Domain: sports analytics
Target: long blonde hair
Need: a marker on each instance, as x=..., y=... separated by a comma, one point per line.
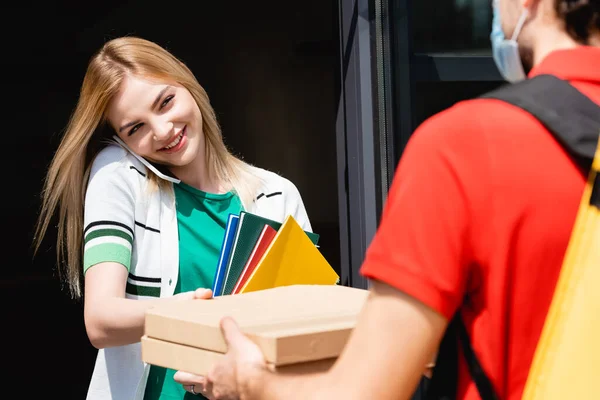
x=87, y=132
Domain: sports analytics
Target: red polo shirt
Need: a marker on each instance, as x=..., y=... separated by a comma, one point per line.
x=482, y=206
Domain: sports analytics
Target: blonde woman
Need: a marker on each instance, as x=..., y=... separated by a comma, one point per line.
x=143, y=184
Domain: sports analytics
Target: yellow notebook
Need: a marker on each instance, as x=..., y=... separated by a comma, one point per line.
x=290, y=259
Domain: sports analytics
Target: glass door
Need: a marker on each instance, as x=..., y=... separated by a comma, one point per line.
x=401, y=61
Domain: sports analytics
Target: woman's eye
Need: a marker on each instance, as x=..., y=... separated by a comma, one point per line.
x=135, y=128
x=167, y=101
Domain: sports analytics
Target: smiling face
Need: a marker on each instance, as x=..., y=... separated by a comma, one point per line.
x=159, y=121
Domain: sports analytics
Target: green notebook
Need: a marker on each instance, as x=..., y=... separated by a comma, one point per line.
x=248, y=231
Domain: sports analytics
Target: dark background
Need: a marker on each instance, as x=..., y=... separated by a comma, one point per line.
x=271, y=73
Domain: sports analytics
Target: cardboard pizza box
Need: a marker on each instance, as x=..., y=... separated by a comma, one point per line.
x=198, y=361
x=291, y=324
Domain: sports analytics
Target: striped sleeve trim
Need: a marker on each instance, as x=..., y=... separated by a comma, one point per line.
x=107, y=252
x=107, y=241
x=107, y=224
x=108, y=232
x=143, y=286
x=134, y=278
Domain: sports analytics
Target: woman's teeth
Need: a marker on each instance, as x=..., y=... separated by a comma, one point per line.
x=174, y=142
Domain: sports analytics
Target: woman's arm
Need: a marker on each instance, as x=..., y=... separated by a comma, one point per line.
x=110, y=205
x=110, y=202
x=110, y=318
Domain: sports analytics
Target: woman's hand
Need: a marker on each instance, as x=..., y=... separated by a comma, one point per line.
x=198, y=294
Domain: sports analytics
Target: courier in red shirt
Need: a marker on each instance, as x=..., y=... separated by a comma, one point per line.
x=481, y=209
x=477, y=222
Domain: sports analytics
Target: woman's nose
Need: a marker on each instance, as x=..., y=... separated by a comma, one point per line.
x=162, y=130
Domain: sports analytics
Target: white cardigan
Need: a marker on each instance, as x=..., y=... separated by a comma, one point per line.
x=143, y=223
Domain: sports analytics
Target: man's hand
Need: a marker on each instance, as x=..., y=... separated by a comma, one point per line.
x=227, y=379
x=401, y=333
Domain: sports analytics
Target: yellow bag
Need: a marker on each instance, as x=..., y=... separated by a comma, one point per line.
x=566, y=364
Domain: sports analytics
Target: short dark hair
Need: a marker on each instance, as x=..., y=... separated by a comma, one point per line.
x=582, y=17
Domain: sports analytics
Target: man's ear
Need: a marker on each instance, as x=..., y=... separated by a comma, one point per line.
x=531, y=5
x=535, y=7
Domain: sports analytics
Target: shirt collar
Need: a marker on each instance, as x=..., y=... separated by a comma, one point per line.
x=578, y=64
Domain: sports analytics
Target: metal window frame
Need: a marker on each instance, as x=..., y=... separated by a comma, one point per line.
x=412, y=67
x=378, y=72
x=453, y=67
x=355, y=140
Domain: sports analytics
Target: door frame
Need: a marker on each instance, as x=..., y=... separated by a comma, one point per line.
x=378, y=70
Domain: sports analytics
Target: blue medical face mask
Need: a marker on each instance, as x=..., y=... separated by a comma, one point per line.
x=506, y=51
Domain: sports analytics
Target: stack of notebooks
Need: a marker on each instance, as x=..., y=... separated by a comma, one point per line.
x=258, y=253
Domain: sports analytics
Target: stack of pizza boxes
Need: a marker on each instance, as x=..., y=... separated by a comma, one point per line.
x=299, y=328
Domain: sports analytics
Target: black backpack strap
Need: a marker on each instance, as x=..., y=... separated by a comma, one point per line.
x=595, y=196
x=444, y=381
x=481, y=380
x=568, y=114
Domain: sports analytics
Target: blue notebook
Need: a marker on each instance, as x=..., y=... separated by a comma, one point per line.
x=230, y=229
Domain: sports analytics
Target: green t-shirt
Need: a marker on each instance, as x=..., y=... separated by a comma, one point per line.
x=201, y=219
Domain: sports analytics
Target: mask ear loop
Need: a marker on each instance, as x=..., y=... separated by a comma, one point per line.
x=146, y=163
x=520, y=23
